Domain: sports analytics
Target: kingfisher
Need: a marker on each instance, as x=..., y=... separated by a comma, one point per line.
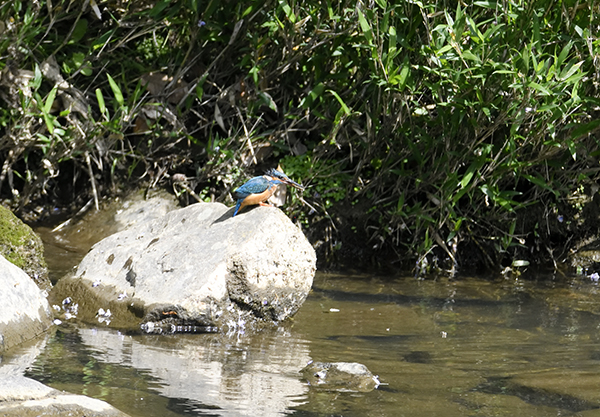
x=259, y=189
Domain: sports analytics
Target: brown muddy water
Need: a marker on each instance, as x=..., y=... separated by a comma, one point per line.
x=465, y=347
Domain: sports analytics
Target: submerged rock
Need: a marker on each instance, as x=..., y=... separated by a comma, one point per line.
x=340, y=376
x=24, y=397
x=196, y=268
x=586, y=259
x=23, y=248
x=24, y=310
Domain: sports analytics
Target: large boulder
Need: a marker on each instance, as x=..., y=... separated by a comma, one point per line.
x=24, y=309
x=66, y=244
x=196, y=267
x=22, y=247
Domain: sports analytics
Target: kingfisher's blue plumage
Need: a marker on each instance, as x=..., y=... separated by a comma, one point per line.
x=259, y=189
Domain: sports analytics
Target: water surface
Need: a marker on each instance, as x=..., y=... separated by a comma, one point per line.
x=466, y=347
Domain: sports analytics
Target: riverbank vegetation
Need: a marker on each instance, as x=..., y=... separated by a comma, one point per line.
x=430, y=135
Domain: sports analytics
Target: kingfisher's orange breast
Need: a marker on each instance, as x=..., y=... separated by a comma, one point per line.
x=254, y=199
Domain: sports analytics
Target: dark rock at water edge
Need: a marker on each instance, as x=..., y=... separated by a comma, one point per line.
x=196, y=268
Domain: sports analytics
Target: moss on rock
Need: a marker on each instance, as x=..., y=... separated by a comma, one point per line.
x=22, y=247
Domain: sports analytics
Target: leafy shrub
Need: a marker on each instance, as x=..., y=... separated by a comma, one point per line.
x=443, y=124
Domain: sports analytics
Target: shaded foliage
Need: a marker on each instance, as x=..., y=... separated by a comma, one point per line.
x=420, y=128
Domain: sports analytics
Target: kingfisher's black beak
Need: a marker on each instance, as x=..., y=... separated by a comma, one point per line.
x=292, y=183
x=278, y=175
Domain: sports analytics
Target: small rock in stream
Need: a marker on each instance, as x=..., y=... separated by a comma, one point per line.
x=340, y=376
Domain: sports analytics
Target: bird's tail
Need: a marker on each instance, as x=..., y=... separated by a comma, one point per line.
x=237, y=207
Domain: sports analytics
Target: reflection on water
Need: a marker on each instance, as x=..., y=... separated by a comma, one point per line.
x=153, y=375
x=447, y=348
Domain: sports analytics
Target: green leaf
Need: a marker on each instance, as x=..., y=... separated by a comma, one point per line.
x=137, y=92
x=444, y=49
x=49, y=120
x=312, y=96
x=467, y=178
x=584, y=129
x=268, y=100
x=288, y=10
x=525, y=57
x=547, y=107
x=563, y=54
x=470, y=56
x=116, y=90
x=540, y=182
x=475, y=29
x=102, y=40
x=572, y=148
x=50, y=100
x=79, y=31
x=569, y=70
x=400, y=204
x=199, y=92
x=486, y=4
x=36, y=81
x=158, y=8
x=364, y=25
x=540, y=88
x=200, y=86
x=248, y=10
x=551, y=72
x=78, y=59
x=101, y=102
x=536, y=30
x=339, y=99
x=404, y=74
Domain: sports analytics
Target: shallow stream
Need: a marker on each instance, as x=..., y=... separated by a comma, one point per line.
x=465, y=347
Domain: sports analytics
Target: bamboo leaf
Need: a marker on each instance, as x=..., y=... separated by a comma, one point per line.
x=101, y=102
x=116, y=90
x=315, y=93
x=339, y=99
x=400, y=204
x=569, y=70
x=364, y=25
x=287, y=9
x=572, y=148
x=563, y=54
x=584, y=129
x=50, y=100
x=540, y=88
x=540, y=182
x=486, y=4
x=525, y=57
x=36, y=81
x=49, y=120
x=470, y=56
x=467, y=178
